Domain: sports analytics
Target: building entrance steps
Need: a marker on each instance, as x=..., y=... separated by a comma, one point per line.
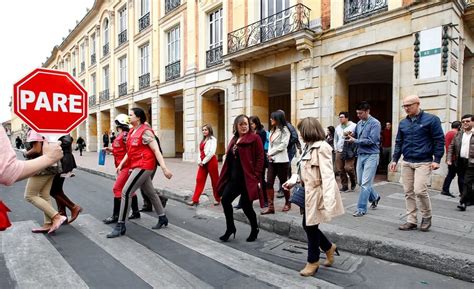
x=447, y=248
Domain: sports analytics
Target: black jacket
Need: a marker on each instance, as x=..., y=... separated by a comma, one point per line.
x=68, y=162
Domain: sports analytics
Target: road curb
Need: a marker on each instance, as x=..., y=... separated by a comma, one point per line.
x=445, y=262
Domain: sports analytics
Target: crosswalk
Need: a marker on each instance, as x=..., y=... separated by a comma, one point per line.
x=33, y=261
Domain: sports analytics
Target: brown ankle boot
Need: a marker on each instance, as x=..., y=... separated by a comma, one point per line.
x=75, y=213
x=271, y=207
x=287, y=205
x=310, y=269
x=330, y=255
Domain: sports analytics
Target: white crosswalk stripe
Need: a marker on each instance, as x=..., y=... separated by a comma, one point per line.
x=149, y=266
x=240, y=261
x=33, y=262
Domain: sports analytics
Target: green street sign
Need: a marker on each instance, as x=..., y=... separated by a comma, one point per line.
x=430, y=52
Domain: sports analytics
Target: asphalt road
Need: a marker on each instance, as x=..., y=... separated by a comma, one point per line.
x=186, y=254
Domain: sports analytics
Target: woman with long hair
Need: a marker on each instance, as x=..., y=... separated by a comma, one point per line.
x=241, y=175
x=322, y=199
x=258, y=128
x=207, y=165
x=278, y=160
x=142, y=153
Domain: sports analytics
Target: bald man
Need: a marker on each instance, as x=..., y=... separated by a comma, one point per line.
x=420, y=139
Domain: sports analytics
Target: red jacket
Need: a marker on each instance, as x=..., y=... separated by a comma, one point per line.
x=251, y=157
x=120, y=149
x=140, y=155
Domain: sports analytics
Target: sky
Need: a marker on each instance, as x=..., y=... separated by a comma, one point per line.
x=29, y=30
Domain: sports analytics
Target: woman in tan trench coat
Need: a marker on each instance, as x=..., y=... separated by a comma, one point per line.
x=322, y=197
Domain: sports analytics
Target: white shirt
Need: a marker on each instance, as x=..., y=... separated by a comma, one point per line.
x=339, y=135
x=466, y=139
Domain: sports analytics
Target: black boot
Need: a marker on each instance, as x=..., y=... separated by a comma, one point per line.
x=118, y=230
x=253, y=234
x=162, y=221
x=135, y=212
x=115, y=214
x=227, y=234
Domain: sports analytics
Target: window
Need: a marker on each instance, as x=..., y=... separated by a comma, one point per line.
x=123, y=19
x=275, y=18
x=215, y=29
x=144, y=7
x=83, y=56
x=106, y=31
x=93, y=88
x=73, y=60
x=144, y=61
x=173, y=45
x=123, y=70
x=92, y=47
x=105, y=73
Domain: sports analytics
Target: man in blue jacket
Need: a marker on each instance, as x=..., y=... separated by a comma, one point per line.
x=420, y=139
x=367, y=138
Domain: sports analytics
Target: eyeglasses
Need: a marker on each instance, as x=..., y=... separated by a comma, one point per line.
x=408, y=105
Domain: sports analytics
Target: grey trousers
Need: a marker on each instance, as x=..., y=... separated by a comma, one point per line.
x=139, y=178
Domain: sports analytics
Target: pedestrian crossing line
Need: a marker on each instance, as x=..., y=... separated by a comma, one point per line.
x=242, y=262
x=149, y=266
x=34, y=262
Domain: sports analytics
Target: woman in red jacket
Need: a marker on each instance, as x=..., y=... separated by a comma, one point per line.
x=241, y=175
x=142, y=154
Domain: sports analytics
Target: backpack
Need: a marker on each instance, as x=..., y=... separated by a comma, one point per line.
x=293, y=136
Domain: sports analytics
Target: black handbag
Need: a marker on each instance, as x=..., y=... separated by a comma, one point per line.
x=297, y=197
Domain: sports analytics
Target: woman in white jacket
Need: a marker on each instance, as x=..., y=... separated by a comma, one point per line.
x=207, y=165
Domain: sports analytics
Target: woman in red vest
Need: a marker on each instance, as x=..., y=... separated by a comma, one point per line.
x=119, y=150
x=241, y=175
x=142, y=154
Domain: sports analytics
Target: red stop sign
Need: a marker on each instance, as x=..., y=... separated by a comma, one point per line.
x=50, y=101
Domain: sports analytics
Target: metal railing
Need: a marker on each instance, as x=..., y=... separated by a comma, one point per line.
x=122, y=37
x=214, y=56
x=122, y=88
x=93, y=60
x=105, y=49
x=104, y=95
x=144, y=81
x=83, y=66
x=92, y=100
x=357, y=9
x=284, y=22
x=144, y=22
x=170, y=5
x=173, y=70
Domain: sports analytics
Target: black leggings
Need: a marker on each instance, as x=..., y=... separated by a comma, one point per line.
x=316, y=240
x=231, y=192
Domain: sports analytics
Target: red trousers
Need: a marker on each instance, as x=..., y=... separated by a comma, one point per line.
x=210, y=168
x=120, y=183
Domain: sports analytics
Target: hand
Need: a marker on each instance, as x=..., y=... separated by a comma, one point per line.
x=350, y=139
x=393, y=166
x=167, y=173
x=53, y=151
x=434, y=166
x=270, y=158
x=449, y=163
x=107, y=149
x=291, y=182
x=119, y=168
x=200, y=164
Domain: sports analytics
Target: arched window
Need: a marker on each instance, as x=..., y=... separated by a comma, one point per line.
x=106, y=31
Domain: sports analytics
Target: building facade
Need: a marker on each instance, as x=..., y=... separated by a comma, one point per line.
x=187, y=63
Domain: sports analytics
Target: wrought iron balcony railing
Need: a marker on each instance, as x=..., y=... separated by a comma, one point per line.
x=214, y=56
x=284, y=22
x=122, y=37
x=83, y=66
x=122, y=88
x=104, y=95
x=357, y=9
x=105, y=49
x=74, y=72
x=93, y=59
x=173, y=70
x=170, y=5
x=144, y=81
x=144, y=22
x=468, y=3
x=92, y=100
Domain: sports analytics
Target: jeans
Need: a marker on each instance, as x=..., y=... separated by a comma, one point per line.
x=366, y=169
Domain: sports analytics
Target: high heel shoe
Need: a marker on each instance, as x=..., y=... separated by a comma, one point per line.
x=75, y=213
x=310, y=269
x=57, y=220
x=330, y=255
x=118, y=230
x=227, y=234
x=253, y=235
x=162, y=221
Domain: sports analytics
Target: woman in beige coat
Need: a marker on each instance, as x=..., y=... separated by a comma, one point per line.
x=322, y=197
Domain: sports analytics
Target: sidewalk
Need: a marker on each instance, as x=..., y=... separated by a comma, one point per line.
x=448, y=248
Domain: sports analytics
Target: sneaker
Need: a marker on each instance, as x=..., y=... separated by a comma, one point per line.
x=447, y=194
x=344, y=189
x=407, y=227
x=358, y=214
x=425, y=224
x=375, y=203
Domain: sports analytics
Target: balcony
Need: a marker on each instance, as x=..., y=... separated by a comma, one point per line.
x=173, y=70
x=214, y=56
x=122, y=37
x=105, y=49
x=170, y=5
x=74, y=72
x=122, y=88
x=93, y=60
x=92, y=100
x=104, y=95
x=144, y=81
x=290, y=20
x=357, y=9
x=83, y=66
x=144, y=22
